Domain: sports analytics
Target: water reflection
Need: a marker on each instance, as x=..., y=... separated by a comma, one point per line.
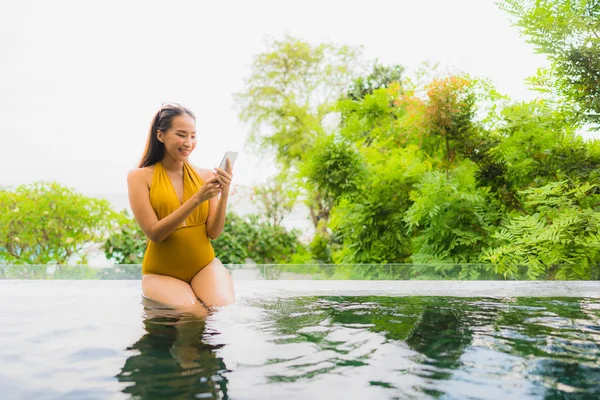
x=172, y=361
x=441, y=335
x=560, y=339
x=524, y=348
x=373, y=347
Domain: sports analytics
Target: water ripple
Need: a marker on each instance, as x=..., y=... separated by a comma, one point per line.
x=309, y=347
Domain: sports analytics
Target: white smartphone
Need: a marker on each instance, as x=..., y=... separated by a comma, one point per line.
x=232, y=155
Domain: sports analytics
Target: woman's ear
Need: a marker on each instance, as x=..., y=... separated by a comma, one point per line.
x=160, y=136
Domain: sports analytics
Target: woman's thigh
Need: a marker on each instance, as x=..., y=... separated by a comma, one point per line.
x=173, y=292
x=213, y=285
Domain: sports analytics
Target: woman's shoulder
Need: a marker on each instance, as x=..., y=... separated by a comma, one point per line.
x=144, y=173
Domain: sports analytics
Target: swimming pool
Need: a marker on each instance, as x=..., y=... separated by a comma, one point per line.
x=92, y=339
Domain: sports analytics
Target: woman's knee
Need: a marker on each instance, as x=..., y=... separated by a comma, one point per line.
x=214, y=285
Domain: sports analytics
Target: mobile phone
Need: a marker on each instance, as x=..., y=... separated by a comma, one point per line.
x=232, y=155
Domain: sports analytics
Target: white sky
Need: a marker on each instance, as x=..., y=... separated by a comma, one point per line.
x=80, y=80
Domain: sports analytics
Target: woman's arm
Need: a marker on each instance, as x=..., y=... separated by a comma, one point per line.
x=217, y=205
x=139, y=200
x=216, y=216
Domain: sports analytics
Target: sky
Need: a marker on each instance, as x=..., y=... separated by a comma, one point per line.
x=81, y=80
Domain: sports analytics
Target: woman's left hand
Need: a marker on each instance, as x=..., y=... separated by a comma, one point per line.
x=224, y=176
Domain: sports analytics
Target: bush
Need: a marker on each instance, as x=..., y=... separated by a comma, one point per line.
x=128, y=244
x=259, y=241
x=558, y=237
x=47, y=223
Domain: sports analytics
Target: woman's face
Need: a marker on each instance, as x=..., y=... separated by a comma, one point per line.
x=180, y=139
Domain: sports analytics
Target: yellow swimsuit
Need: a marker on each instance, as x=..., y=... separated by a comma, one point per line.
x=187, y=250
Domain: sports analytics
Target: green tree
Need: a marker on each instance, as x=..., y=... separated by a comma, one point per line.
x=46, y=223
x=253, y=238
x=370, y=222
x=567, y=33
x=450, y=220
x=126, y=245
x=449, y=113
x=333, y=168
x=375, y=121
x=293, y=87
x=427, y=171
x=380, y=78
x=535, y=144
x=276, y=199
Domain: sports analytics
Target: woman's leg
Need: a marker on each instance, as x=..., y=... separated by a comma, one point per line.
x=173, y=292
x=213, y=285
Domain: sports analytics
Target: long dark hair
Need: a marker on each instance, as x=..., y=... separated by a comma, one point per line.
x=155, y=150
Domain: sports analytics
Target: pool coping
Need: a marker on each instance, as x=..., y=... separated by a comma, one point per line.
x=295, y=288
x=590, y=289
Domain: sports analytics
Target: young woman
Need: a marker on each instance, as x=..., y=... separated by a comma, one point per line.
x=180, y=207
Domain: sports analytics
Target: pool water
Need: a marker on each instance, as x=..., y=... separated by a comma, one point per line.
x=95, y=340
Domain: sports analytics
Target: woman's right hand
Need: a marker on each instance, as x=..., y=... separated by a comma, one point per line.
x=210, y=189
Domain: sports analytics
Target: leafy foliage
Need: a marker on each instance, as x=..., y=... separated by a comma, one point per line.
x=251, y=238
x=437, y=170
x=47, y=223
x=320, y=249
x=429, y=178
x=380, y=78
x=370, y=222
x=450, y=219
x=292, y=88
x=449, y=113
x=333, y=168
x=558, y=238
x=128, y=244
x=276, y=199
x=567, y=32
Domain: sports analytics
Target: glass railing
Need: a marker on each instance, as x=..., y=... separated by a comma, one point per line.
x=286, y=272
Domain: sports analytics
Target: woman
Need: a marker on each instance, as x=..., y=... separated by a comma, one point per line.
x=180, y=207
